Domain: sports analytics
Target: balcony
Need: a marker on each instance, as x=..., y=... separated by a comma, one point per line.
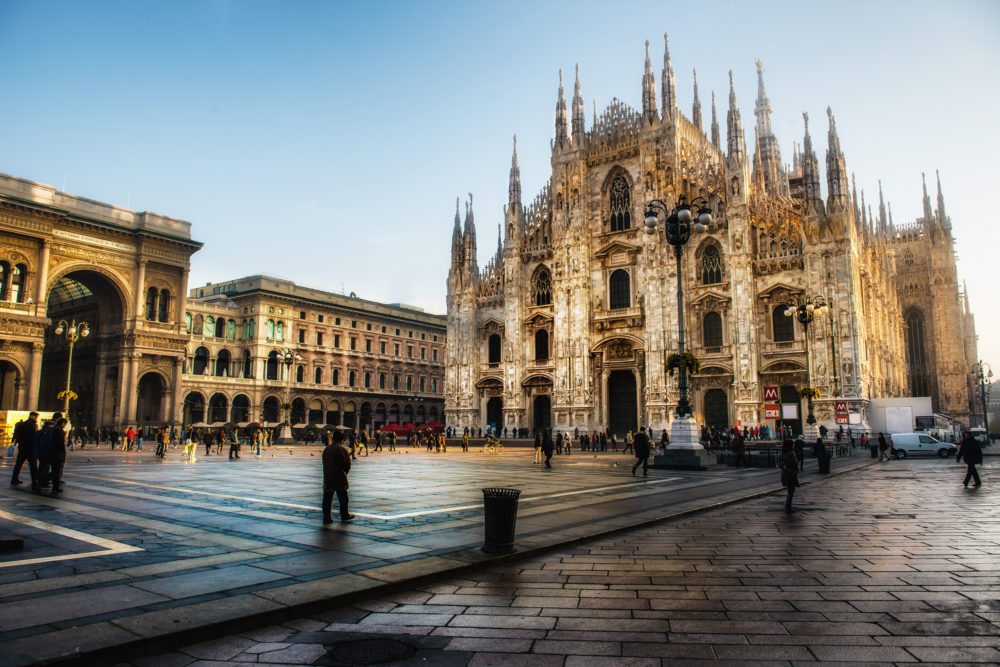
x=771, y=348
x=15, y=307
x=620, y=317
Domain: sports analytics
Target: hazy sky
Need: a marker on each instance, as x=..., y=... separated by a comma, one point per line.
x=326, y=142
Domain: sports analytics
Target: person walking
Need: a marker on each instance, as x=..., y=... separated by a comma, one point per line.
x=629, y=441
x=739, y=450
x=538, y=448
x=234, y=445
x=24, y=438
x=548, y=447
x=50, y=448
x=972, y=452
x=641, y=448
x=883, y=448
x=799, y=446
x=336, y=465
x=788, y=463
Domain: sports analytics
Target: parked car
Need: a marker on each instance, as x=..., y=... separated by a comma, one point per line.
x=902, y=445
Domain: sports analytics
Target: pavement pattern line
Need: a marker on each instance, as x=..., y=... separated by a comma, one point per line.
x=383, y=517
x=109, y=547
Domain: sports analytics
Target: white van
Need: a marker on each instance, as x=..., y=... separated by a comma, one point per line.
x=902, y=445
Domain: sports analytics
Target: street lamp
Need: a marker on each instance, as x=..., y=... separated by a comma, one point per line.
x=74, y=330
x=805, y=308
x=984, y=373
x=678, y=226
x=288, y=357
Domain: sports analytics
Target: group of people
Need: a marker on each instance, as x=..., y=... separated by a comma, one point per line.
x=43, y=448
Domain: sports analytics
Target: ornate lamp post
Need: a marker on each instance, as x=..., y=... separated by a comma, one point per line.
x=288, y=357
x=74, y=330
x=679, y=223
x=984, y=373
x=805, y=308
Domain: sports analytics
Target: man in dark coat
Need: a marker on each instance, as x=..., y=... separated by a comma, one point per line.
x=336, y=465
x=24, y=437
x=548, y=447
x=641, y=445
x=972, y=452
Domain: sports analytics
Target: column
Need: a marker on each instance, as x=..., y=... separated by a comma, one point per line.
x=127, y=399
x=100, y=386
x=139, y=288
x=181, y=302
x=35, y=375
x=41, y=291
x=177, y=404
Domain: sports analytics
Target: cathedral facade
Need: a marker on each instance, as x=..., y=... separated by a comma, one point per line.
x=571, y=322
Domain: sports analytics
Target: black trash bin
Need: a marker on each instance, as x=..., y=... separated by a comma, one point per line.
x=874, y=449
x=823, y=463
x=500, y=511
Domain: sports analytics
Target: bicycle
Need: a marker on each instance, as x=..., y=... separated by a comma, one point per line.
x=492, y=446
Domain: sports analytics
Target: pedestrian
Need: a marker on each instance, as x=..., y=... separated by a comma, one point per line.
x=559, y=442
x=664, y=439
x=24, y=438
x=129, y=439
x=883, y=448
x=641, y=448
x=220, y=441
x=629, y=441
x=538, y=448
x=800, y=450
x=740, y=451
x=788, y=463
x=970, y=450
x=548, y=447
x=336, y=465
x=234, y=445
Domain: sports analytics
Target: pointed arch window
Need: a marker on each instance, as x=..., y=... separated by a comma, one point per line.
x=916, y=353
x=621, y=204
x=163, y=312
x=541, y=345
x=619, y=290
x=494, y=351
x=151, y=294
x=543, y=288
x=711, y=265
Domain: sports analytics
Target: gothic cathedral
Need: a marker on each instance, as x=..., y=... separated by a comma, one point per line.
x=571, y=322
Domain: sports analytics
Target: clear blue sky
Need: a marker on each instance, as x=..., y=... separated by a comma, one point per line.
x=326, y=142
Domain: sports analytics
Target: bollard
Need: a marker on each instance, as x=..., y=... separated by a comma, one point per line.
x=500, y=513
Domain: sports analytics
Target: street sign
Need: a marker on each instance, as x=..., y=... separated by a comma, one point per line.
x=772, y=412
x=789, y=411
x=841, y=419
x=771, y=394
x=842, y=406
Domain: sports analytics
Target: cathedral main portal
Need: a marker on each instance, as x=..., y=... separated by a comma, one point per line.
x=623, y=413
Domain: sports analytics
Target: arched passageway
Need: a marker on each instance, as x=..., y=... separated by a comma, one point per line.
x=151, y=400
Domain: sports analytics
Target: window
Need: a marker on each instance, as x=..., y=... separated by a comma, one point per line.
x=368, y=380
x=319, y=318
x=300, y=373
x=302, y=336
x=354, y=324
x=409, y=383
x=409, y=351
x=5, y=279
x=231, y=329
x=318, y=376
x=151, y=295
x=434, y=385
x=411, y=334
x=435, y=353
x=784, y=327
x=435, y=339
x=337, y=321
x=369, y=326
x=354, y=343
x=395, y=382
x=209, y=326
x=220, y=328
x=621, y=204
x=247, y=364
x=381, y=347
x=423, y=353
x=381, y=380
x=222, y=361
x=250, y=330
x=302, y=314
x=336, y=340
x=397, y=332
x=335, y=378
x=187, y=318
x=269, y=329
x=271, y=368
x=368, y=346
x=396, y=347
x=543, y=288
x=164, y=310
x=383, y=329
x=319, y=337
x=712, y=330
x=423, y=337
x=351, y=377
x=619, y=290
x=494, y=350
x=279, y=331
x=915, y=353
x=711, y=266
x=541, y=345
x=270, y=309
x=421, y=385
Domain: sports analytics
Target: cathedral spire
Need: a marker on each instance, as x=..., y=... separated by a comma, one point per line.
x=836, y=170
x=762, y=109
x=942, y=217
x=810, y=166
x=579, y=119
x=499, y=242
x=854, y=198
x=514, y=189
x=696, y=106
x=469, y=237
x=928, y=213
x=883, y=221
x=456, y=237
x=667, y=82
x=648, y=90
x=735, y=143
x=775, y=177
x=562, y=118
x=715, y=126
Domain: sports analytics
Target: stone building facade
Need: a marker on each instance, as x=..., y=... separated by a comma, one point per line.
x=571, y=321
x=64, y=257
x=361, y=363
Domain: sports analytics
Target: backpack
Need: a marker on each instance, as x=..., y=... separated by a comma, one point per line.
x=43, y=442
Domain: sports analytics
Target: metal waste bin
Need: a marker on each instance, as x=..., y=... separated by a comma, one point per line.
x=500, y=511
x=874, y=449
x=823, y=463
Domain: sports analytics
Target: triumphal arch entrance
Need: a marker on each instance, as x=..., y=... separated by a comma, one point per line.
x=124, y=273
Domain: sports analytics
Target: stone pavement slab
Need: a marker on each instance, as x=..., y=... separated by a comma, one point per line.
x=792, y=607
x=213, y=546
